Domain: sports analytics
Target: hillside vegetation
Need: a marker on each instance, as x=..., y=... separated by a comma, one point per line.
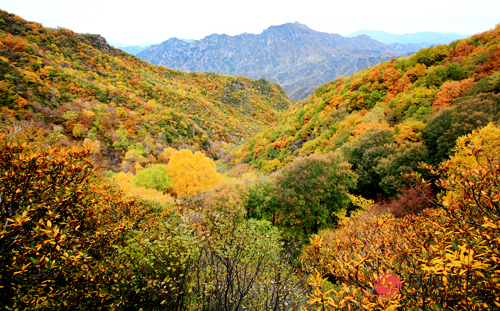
x=390, y=176
x=387, y=118
x=83, y=88
x=389, y=182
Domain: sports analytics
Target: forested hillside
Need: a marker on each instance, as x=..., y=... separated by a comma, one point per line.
x=83, y=88
x=390, y=181
x=387, y=118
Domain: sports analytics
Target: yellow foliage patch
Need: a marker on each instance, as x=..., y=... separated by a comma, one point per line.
x=126, y=183
x=192, y=173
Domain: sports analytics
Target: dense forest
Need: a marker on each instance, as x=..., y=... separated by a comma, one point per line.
x=127, y=186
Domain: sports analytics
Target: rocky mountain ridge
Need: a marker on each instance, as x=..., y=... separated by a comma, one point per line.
x=425, y=38
x=293, y=55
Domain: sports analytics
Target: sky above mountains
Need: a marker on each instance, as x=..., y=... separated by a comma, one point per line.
x=135, y=22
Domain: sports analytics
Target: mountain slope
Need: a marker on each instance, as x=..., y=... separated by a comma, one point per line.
x=429, y=38
x=293, y=55
x=82, y=88
x=387, y=118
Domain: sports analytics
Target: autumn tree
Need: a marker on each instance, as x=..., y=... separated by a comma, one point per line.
x=467, y=114
x=167, y=152
x=472, y=179
x=303, y=197
x=59, y=220
x=457, y=240
x=192, y=173
x=154, y=177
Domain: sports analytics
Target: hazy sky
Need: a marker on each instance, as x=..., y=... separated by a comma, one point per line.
x=155, y=21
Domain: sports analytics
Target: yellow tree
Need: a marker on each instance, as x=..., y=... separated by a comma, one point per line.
x=471, y=179
x=167, y=152
x=192, y=173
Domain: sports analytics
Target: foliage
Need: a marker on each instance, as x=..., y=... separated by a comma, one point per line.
x=446, y=126
x=126, y=183
x=412, y=200
x=211, y=262
x=470, y=188
x=422, y=99
x=192, y=173
x=458, y=242
x=226, y=196
x=92, y=90
x=62, y=226
x=379, y=162
x=154, y=177
x=303, y=197
x=58, y=222
x=68, y=237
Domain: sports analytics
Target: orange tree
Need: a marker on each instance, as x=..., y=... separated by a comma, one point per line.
x=453, y=249
x=58, y=223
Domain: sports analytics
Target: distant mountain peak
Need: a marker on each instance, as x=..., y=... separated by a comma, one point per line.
x=292, y=54
x=427, y=37
x=294, y=25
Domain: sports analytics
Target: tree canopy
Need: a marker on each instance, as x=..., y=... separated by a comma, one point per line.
x=192, y=173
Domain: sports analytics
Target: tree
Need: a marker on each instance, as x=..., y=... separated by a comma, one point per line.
x=365, y=155
x=450, y=123
x=404, y=159
x=452, y=248
x=59, y=221
x=167, y=152
x=471, y=179
x=379, y=162
x=154, y=177
x=192, y=173
x=303, y=197
x=228, y=263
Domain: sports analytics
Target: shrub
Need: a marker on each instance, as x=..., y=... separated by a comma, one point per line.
x=303, y=197
x=192, y=173
x=154, y=177
x=58, y=223
x=453, y=249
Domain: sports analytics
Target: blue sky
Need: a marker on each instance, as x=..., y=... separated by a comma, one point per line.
x=155, y=21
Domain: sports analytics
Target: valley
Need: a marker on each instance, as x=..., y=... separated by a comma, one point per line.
x=127, y=185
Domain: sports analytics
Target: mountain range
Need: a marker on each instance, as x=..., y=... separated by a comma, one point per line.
x=425, y=39
x=292, y=55
x=135, y=48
